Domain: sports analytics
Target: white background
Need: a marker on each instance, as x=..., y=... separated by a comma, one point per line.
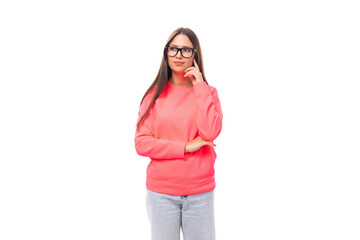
x=73, y=74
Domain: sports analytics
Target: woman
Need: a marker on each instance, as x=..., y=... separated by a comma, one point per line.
x=179, y=118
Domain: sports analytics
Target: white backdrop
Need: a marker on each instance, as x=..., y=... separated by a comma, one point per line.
x=73, y=74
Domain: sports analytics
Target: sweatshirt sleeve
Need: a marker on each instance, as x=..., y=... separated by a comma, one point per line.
x=147, y=145
x=209, y=113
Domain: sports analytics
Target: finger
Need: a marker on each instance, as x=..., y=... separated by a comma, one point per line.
x=196, y=65
x=189, y=73
x=210, y=145
x=186, y=75
x=193, y=72
x=189, y=68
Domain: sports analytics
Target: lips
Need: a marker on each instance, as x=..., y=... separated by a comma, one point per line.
x=178, y=63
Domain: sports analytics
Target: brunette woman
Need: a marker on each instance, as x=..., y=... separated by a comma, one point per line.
x=179, y=118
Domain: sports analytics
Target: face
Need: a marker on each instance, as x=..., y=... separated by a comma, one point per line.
x=178, y=63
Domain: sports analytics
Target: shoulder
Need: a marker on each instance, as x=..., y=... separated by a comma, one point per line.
x=211, y=88
x=145, y=103
x=150, y=94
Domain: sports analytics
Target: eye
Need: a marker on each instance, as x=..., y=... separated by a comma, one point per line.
x=172, y=48
x=187, y=50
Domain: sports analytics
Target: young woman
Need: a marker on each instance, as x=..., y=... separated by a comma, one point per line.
x=180, y=116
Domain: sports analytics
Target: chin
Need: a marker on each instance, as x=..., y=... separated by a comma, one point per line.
x=178, y=68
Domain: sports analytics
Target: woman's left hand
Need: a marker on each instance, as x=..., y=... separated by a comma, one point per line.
x=194, y=73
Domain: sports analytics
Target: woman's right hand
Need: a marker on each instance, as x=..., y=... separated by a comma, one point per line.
x=197, y=143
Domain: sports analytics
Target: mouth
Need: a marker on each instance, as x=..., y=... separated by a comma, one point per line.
x=178, y=63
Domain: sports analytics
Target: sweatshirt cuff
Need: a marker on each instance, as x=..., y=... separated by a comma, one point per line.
x=179, y=149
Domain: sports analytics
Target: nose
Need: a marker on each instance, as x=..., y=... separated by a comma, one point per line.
x=178, y=55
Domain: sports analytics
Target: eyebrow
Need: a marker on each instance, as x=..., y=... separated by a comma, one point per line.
x=174, y=45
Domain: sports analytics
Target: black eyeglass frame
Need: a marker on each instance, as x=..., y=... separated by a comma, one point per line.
x=180, y=49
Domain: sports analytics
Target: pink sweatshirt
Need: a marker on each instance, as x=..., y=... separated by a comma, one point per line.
x=179, y=115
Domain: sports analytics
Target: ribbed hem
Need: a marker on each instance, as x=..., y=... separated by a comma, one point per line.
x=180, y=189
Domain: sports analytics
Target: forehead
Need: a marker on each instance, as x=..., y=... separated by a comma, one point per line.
x=182, y=40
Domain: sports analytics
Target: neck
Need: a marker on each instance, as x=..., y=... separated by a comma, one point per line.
x=177, y=78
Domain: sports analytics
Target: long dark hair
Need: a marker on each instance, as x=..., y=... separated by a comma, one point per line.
x=164, y=73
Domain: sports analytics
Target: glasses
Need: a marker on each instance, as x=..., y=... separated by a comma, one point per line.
x=185, y=52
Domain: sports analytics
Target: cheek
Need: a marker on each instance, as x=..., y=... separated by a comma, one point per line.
x=189, y=63
x=170, y=64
